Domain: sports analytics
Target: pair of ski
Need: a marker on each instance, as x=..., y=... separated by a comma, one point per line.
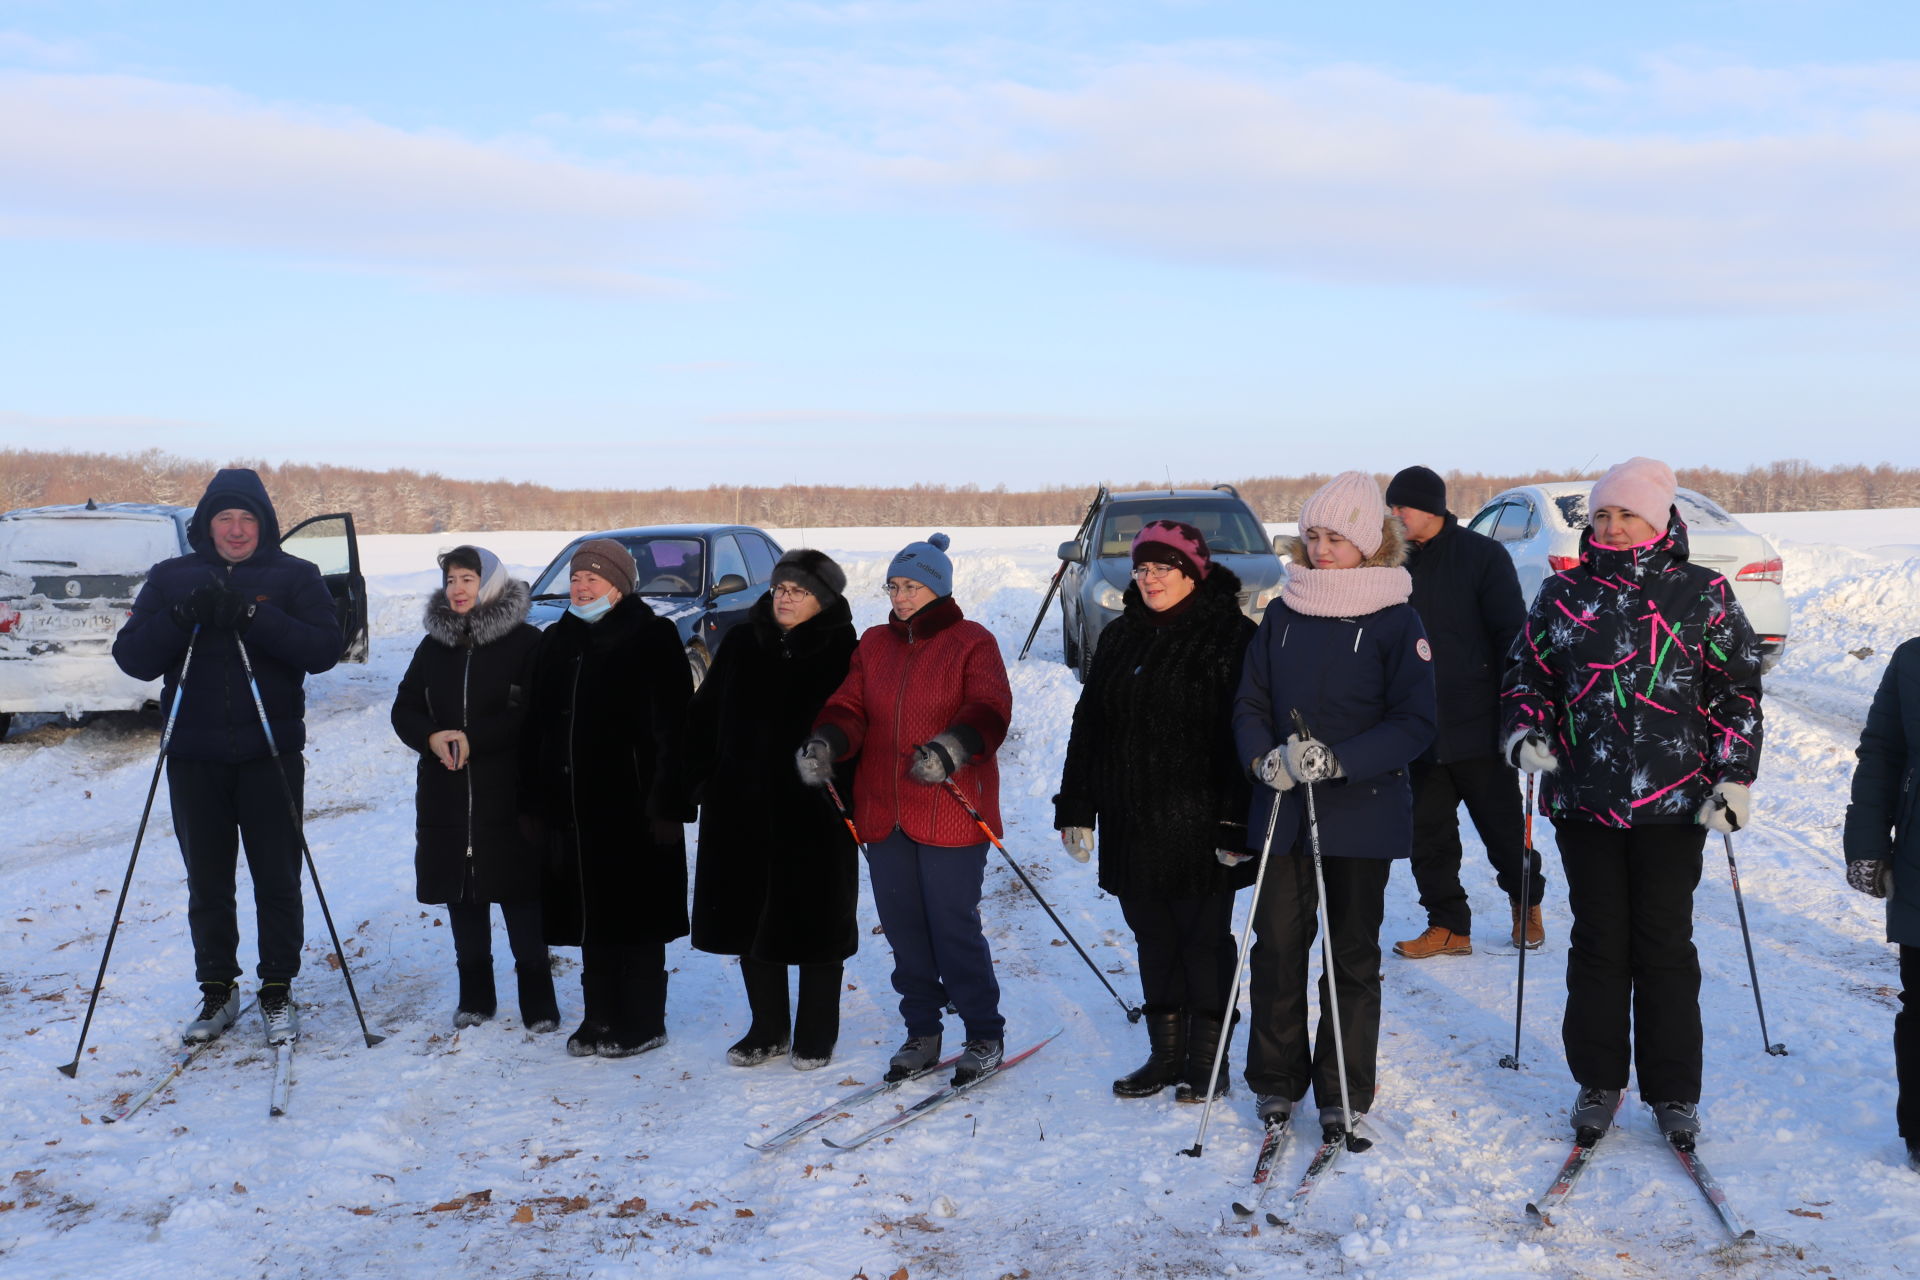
x=1333, y=1141
x=1540, y=1212
x=932, y=1102
x=187, y=1054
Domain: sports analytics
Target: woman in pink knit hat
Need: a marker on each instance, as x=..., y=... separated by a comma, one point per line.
x=1343, y=653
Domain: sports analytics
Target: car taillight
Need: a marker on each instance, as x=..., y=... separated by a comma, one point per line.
x=1761, y=571
x=1560, y=564
x=8, y=616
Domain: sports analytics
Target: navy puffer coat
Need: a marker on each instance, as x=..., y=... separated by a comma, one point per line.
x=1883, y=820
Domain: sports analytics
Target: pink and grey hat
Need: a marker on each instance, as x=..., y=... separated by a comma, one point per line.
x=1644, y=486
x=1171, y=542
x=1349, y=504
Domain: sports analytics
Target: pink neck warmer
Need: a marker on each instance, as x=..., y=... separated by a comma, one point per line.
x=1344, y=593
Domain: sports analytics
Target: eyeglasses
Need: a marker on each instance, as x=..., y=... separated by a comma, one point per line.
x=1154, y=571
x=903, y=588
x=788, y=591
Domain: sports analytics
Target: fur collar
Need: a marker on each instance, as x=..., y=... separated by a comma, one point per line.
x=484, y=623
x=1391, y=555
x=808, y=637
x=929, y=622
x=1216, y=594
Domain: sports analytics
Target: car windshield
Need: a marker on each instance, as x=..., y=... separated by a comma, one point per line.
x=1227, y=525
x=665, y=566
x=1698, y=512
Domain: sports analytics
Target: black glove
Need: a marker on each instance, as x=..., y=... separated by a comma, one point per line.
x=1870, y=876
x=667, y=831
x=196, y=608
x=229, y=610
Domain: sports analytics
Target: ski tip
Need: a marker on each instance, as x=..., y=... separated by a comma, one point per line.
x=69, y=1069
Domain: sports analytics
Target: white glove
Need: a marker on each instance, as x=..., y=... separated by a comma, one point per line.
x=937, y=759
x=814, y=760
x=1527, y=750
x=1728, y=808
x=1311, y=760
x=1078, y=842
x=1271, y=769
x=1230, y=857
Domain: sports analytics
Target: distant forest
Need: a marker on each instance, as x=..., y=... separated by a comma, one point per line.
x=417, y=502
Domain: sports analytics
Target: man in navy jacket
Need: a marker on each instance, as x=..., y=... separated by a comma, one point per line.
x=236, y=587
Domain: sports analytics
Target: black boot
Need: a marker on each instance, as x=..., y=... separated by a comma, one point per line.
x=639, y=1012
x=539, y=1009
x=816, y=1028
x=1166, y=1055
x=766, y=1036
x=477, y=999
x=594, y=1022
x=1205, y=1031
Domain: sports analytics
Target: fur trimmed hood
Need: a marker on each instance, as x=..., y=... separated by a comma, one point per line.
x=484, y=623
x=1391, y=555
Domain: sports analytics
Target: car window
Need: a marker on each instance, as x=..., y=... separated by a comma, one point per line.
x=1228, y=526
x=663, y=567
x=1488, y=517
x=1703, y=513
x=1573, y=509
x=90, y=558
x=760, y=557
x=727, y=558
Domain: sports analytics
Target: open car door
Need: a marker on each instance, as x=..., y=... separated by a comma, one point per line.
x=329, y=543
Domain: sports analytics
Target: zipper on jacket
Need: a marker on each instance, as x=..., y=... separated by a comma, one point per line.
x=466, y=670
x=899, y=720
x=573, y=797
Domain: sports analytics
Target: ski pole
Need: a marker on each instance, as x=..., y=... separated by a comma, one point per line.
x=1233, y=991
x=1753, y=971
x=833, y=794
x=299, y=831
x=140, y=834
x=1099, y=498
x=1133, y=1014
x=1512, y=1060
x=1328, y=972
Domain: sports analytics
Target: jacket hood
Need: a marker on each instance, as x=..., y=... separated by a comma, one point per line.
x=1391, y=555
x=234, y=487
x=482, y=624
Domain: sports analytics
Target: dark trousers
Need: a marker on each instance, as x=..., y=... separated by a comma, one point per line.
x=624, y=988
x=472, y=927
x=217, y=808
x=1186, y=950
x=1279, y=1058
x=928, y=899
x=1906, y=1046
x=1490, y=789
x=1630, y=956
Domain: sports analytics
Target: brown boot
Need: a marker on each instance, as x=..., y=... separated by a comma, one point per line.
x=1435, y=942
x=1536, y=930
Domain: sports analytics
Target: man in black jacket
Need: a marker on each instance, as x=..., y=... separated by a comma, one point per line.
x=1468, y=598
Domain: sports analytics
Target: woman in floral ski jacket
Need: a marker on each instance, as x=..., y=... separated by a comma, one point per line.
x=1634, y=689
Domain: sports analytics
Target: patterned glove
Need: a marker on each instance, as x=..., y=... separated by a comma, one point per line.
x=1310, y=760
x=1271, y=769
x=1527, y=750
x=935, y=761
x=1871, y=877
x=1728, y=807
x=1078, y=842
x=815, y=762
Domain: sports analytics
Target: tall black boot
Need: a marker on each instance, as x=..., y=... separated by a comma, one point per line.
x=1166, y=1055
x=595, y=990
x=1205, y=1031
x=539, y=1009
x=477, y=999
x=766, y=1036
x=639, y=1008
x=816, y=1027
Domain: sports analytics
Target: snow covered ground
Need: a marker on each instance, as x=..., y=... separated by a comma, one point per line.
x=491, y=1153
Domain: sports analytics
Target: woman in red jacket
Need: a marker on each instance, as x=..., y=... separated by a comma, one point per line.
x=925, y=701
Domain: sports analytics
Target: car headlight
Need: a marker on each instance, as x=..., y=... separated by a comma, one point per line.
x=1108, y=597
x=1267, y=595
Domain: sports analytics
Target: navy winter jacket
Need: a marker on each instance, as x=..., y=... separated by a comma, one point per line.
x=1468, y=598
x=294, y=632
x=1883, y=820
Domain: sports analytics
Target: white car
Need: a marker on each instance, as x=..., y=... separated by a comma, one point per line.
x=1540, y=526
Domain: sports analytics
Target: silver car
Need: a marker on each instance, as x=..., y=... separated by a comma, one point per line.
x=1540, y=526
x=1099, y=561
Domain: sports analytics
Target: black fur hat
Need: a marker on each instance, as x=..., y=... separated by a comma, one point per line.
x=814, y=570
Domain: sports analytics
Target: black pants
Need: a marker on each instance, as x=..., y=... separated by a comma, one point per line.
x=1186, y=950
x=1630, y=956
x=1489, y=787
x=217, y=808
x=624, y=988
x=472, y=927
x=1278, y=1059
x=1906, y=1046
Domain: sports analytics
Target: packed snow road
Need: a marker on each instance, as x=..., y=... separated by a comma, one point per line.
x=491, y=1153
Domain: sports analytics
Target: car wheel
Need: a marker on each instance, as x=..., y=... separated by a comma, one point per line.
x=1083, y=653
x=1069, y=651
x=698, y=661
x=6, y=722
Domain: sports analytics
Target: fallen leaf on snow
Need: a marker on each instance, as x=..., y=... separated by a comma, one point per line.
x=523, y=1214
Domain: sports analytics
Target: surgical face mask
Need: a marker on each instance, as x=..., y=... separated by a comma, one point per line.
x=592, y=612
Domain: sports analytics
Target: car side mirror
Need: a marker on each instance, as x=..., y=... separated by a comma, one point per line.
x=729, y=584
x=1071, y=553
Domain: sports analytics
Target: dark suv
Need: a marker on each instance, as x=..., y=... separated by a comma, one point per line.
x=1099, y=560
x=701, y=577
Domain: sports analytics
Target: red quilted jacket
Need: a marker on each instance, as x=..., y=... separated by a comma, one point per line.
x=908, y=682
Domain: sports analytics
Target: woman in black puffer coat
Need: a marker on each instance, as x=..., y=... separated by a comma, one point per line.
x=778, y=874
x=1151, y=763
x=460, y=706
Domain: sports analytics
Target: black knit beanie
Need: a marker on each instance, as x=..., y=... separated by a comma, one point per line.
x=1420, y=488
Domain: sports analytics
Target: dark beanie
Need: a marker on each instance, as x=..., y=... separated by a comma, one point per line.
x=1420, y=488
x=607, y=558
x=1172, y=542
x=814, y=570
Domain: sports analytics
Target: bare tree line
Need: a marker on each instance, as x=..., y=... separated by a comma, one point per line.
x=417, y=502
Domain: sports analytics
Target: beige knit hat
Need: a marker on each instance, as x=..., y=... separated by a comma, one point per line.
x=1349, y=504
x=1644, y=486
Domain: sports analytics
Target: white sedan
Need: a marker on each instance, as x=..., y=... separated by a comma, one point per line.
x=1540, y=525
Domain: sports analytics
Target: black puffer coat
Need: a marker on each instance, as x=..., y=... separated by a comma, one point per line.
x=601, y=764
x=1644, y=675
x=1883, y=820
x=471, y=672
x=1151, y=760
x=778, y=875
x=1469, y=602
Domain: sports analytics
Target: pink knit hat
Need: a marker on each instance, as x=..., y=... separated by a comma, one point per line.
x=1644, y=486
x=1349, y=504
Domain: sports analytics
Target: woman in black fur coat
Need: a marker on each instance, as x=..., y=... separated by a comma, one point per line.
x=1151, y=763
x=777, y=875
x=460, y=706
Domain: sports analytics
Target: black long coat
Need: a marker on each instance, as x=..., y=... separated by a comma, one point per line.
x=470, y=672
x=1883, y=820
x=1468, y=598
x=600, y=767
x=1151, y=759
x=778, y=876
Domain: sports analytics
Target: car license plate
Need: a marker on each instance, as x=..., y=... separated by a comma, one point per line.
x=69, y=622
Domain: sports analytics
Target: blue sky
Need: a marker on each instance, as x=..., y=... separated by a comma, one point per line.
x=960, y=241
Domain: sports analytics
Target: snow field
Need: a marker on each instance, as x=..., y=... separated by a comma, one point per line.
x=489, y=1152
